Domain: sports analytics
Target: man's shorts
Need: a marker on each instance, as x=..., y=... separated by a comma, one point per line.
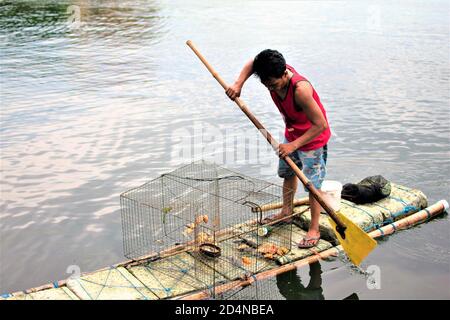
x=312, y=163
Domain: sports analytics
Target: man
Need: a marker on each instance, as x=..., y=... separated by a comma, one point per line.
x=307, y=131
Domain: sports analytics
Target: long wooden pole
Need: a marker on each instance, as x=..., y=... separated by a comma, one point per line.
x=404, y=223
x=274, y=143
x=278, y=205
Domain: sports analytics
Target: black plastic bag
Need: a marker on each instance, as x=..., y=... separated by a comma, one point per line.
x=368, y=190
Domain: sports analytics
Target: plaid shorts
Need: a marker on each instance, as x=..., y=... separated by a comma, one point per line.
x=312, y=163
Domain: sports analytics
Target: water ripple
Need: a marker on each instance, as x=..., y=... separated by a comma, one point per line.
x=89, y=112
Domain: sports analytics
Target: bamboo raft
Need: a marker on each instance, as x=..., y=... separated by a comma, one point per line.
x=172, y=276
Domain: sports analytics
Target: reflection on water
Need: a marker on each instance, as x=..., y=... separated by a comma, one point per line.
x=291, y=287
x=353, y=296
x=21, y=20
x=90, y=110
x=22, y=16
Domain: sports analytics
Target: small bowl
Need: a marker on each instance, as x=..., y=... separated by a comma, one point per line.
x=210, y=250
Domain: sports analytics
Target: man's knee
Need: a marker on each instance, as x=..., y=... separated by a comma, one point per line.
x=291, y=180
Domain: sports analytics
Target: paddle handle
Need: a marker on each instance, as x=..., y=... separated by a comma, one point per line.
x=273, y=142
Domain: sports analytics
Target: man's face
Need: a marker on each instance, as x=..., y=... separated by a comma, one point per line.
x=275, y=84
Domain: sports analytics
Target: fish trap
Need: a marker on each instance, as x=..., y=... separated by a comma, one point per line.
x=210, y=218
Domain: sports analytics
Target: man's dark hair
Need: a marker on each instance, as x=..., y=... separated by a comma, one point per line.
x=269, y=64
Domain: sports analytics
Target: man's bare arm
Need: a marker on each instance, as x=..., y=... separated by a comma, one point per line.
x=234, y=90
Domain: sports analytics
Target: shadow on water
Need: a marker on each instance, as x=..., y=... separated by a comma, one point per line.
x=291, y=287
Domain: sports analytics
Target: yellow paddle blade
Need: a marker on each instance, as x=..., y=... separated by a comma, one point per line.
x=357, y=244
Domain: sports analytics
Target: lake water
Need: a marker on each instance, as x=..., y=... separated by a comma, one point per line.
x=98, y=97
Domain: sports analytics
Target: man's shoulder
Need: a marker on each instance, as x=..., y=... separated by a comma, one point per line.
x=303, y=89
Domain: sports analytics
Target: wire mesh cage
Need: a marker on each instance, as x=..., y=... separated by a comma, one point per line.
x=210, y=213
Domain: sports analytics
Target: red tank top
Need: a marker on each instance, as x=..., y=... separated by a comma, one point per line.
x=296, y=121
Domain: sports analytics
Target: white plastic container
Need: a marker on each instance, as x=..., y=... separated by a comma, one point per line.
x=331, y=192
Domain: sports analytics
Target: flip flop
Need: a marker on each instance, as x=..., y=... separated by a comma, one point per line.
x=308, y=242
x=274, y=217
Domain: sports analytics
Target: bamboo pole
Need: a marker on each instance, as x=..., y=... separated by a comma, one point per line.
x=414, y=219
x=278, y=205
